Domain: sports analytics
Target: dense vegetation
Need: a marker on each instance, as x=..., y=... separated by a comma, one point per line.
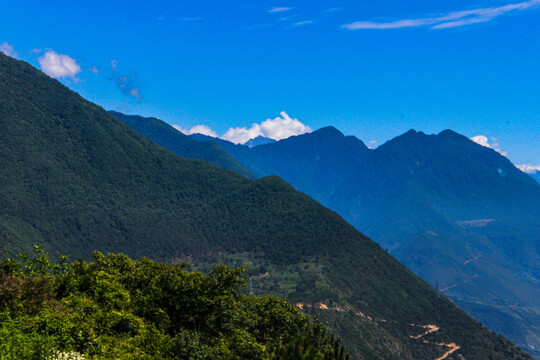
x=462, y=216
x=76, y=179
x=118, y=308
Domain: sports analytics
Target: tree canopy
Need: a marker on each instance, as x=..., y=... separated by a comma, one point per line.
x=116, y=307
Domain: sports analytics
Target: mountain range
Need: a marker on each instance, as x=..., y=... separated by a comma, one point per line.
x=458, y=214
x=75, y=179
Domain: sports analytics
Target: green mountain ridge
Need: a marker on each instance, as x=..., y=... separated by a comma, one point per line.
x=75, y=179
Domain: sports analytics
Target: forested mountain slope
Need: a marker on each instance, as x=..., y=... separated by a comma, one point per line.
x=458, y=214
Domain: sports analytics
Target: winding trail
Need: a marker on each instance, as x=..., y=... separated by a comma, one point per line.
x=452, y=347
x=473, y=259
x=459, y=283
x=432, y=328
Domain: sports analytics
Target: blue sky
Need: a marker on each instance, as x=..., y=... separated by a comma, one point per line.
x=373, y=68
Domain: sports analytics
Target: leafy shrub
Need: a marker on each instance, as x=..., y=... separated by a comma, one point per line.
x=120, y=308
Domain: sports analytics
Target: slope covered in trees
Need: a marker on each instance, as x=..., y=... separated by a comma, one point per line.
x=458, y=214
x=76, y=179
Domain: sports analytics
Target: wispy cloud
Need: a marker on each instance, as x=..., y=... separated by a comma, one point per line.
x=58, y=65
x=191, y=19
x=287, y=18
x=279, y=9
x=449, y=20
x=127, y=83
x=8, y=49
x=302, y=23
x=483, y=140
x=334, y=9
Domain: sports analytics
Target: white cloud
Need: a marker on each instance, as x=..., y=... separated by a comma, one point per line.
x=372, y=144
x=484, y=141
x=94, y=69
x=277, y=129
x=197, y=129
x=481, y=140
x=449, y=20
x=279, y=9
x=8, y=49
x=59, y=66
x=334, y=9
x=529, y=168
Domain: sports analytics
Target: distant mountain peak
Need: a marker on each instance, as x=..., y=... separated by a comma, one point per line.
x=259, y=140
x=413, y=135
x=452, y=135
x=449, y=132
x=331, y=137
x=410, y=132
x=329, y=131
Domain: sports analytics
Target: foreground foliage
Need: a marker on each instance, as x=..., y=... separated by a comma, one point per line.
x=118, y=308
